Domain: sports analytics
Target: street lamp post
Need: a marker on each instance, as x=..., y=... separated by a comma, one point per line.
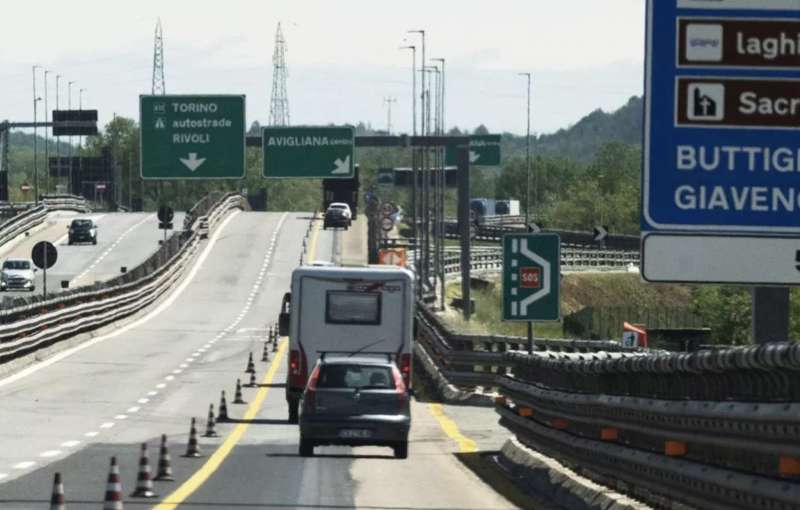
x=58, y=137
x=528, y=153
x=421, y=238
x=35, y=147
x=528, y=187
x=442, y=180
x=69, y=107
x=80, y=138
x=413, y=152
x=46, y=138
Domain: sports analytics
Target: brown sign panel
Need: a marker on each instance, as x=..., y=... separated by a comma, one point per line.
x=745, y=103
x=712, y=42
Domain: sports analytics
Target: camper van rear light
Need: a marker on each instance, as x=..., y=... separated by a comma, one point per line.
x=405, y=368
x=294, y=363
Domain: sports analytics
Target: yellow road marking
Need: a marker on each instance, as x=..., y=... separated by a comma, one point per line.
x=465, y=444
x=312, y=244
x=215, y=461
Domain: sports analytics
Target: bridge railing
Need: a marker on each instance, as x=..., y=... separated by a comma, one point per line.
x=711, y=429
x=34, y=323
x=35, y=216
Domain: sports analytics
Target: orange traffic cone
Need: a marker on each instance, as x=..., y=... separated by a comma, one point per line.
x=164, y=463
x=251, y=367
x=237, y=397
x=210, y=423
x=144, y=484
x=192, y=449
x=265, y=353
x=113, y=499
x=57, y=499
x=223, y=408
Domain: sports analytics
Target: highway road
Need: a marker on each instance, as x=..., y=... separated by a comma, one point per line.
x=123, y=239
x=148, y=376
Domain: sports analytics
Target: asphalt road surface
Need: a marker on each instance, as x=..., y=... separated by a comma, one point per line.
x=137, y=380
x=123, y=239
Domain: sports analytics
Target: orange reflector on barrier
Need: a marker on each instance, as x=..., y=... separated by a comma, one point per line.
x=526, y=412
x=500, y=400
x=789, y=466
x=609, y=434
x=560, y=424
x=674, y=448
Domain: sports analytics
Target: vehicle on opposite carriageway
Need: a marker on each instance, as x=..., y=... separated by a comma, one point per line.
x=346, y=309
x=17, y=274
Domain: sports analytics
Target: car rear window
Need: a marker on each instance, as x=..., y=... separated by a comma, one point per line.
x=81, y=223
x=344, y=376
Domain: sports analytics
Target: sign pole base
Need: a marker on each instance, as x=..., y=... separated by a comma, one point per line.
x=770, y=314
x=530, y=338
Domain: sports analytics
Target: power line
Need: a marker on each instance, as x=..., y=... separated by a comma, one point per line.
x=279, y=103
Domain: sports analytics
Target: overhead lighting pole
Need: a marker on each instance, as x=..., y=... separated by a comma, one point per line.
x=36, y=99
x=421, y=236
x=58, y=137
x=46, y=138
x=442, y=180
x=528, y=154
x=69, y=107
x=80, y=138
x=413, y=152
x=528, y=187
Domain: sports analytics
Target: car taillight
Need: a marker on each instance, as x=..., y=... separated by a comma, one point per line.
x=310, y=395
x=405, y=369
x=400, y=390
x=298, y=369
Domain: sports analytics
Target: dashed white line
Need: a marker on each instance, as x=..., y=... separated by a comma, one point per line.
x=24, y=465
x=161, y=386
x=107, y=425
x=134, y=409
x=152, y=393
x=177, y=371
x=91, y=434
x=3, y=475
x=169, y=377
x=143, y=400
x=183, y=365
x=50, y=453
x=70, y=444
x=121, y=417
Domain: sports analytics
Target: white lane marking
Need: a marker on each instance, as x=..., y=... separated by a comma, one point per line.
x=50, y=453
x=152, y=393
x=113, y=245
x=3, y=475
x=91, y=434
x=189, y=360
x=121, y=417
x=161, y=386
x=107, y=425
x=143, y=400
x=24, y=465
x=153, y=313
x=70, y=444
x=183, y=365
x=169, y=377
x=177, y=371
x=134, y=409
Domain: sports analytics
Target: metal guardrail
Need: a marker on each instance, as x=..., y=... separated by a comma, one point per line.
x=715, y=429
x=33, y=325
x=35, y=216
x=573, y=258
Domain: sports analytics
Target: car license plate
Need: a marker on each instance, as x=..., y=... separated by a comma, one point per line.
x=355, y=433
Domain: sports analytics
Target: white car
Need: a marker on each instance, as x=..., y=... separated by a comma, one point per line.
x=344, y=207
x=17, y=274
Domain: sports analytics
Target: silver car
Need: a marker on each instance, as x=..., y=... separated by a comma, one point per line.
x=355, y=401
x=17, y=274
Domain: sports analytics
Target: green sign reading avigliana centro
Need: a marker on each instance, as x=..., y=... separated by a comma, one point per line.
x=308, y=152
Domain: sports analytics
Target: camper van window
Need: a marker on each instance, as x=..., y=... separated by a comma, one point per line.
x=353, y=308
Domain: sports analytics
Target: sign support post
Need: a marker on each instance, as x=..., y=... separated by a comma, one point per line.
x=770, y=314
x=464, y=227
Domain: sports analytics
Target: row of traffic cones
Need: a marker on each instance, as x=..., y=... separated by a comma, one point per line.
x=144, y=479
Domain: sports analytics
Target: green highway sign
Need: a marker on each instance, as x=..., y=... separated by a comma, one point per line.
x=308, y=152
x=192, y=137
x=484, y=150
x=531, y=277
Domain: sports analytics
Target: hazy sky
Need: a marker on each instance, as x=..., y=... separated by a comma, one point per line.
x=343, y=56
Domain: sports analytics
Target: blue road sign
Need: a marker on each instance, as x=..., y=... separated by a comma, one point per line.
x=722, y=102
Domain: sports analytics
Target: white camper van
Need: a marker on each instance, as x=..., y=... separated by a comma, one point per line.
x=346, y=310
